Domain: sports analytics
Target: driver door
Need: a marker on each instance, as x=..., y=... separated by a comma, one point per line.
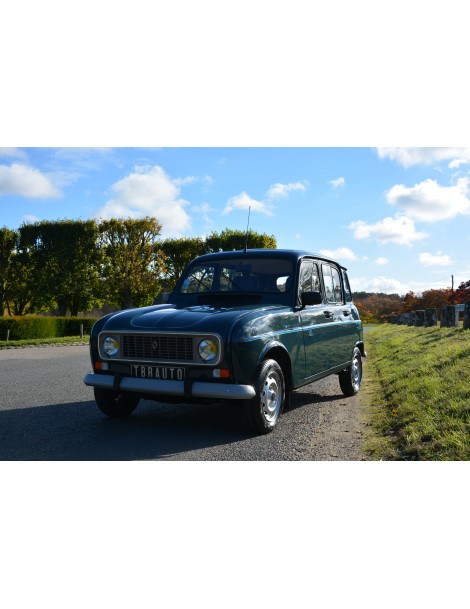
x=315, y=326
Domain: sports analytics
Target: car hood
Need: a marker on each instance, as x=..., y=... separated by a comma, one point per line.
x=201, y=318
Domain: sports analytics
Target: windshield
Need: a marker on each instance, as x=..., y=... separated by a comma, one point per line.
x=255, y=276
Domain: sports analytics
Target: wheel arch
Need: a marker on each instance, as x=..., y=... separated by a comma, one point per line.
x=360, y=345
x=280, y=354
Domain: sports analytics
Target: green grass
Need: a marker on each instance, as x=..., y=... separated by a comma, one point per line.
x=64, y=340
x=418, y=393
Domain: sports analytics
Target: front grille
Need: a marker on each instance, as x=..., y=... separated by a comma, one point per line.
x=166, y=348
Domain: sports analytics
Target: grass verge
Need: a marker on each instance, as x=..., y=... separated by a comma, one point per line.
x=64, y=340
x=419, y=398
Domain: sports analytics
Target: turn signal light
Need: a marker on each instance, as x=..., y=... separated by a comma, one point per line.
x=221, y=373
x=101, y=366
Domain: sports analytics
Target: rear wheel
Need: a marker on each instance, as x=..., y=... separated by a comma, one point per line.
x=115, y=404
x=350, y=379
x=264, y=410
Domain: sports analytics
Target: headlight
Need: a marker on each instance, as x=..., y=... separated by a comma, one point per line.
x=207, y=350
x=111, y=346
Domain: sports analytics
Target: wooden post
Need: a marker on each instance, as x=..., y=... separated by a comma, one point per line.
x=444, y=316
x=419, y=318
x=455, y=316
x=450, y=316
x=466, y=316
x=81, y=330
x=430, y=318
x=8, y=335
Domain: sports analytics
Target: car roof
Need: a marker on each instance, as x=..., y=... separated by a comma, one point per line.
x=294, y=255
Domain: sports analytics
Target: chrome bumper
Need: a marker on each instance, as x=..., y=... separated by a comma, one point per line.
x=197, y=389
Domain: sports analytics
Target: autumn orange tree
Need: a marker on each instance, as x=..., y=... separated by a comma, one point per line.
x=429, y=299
x=376, y=307
x=462, y=293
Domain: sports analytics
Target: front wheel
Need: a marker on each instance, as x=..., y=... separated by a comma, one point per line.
x=350, y=379
x=264, y=410
x=115, y=404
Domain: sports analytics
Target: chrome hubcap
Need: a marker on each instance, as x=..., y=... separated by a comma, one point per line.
x=356, y=371
x=271, y=397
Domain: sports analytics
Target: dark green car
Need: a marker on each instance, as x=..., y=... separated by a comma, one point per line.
x=247, y=325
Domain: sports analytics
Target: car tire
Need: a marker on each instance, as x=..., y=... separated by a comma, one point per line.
x=350, y=379
x=115, y=404
x=264, y=410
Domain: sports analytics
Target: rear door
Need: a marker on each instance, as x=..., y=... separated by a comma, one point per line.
x=342, y=323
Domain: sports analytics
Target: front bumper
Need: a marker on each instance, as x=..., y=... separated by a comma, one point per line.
x=195, y=389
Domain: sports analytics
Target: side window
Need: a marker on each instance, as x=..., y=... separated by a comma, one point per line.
x=305, y=279
x=309, y=280
x=328, y=281
x=337, y=291
x=316, y=279
x=347, y=288
x=334, y=293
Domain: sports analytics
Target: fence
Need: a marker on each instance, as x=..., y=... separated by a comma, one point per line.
x=450, y=317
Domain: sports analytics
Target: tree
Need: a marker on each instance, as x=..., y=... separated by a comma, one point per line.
x=8, y=244
x=462, y=293
x=177, y=254
x=230, y=239
x=429, y=299
x=24, y=294
x=376, y=307
x=66, y=259
x=132, y=264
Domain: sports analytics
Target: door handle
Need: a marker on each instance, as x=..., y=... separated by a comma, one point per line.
x=328, y=314
x=347, y=312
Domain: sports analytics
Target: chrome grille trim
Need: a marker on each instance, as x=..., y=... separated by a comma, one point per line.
x=160, y=347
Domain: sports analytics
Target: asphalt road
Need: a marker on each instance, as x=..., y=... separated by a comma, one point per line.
x=47, y=413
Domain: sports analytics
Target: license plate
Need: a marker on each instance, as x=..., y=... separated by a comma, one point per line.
x=163, y=373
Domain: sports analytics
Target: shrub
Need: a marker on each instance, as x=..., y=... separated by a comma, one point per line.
x=36, y=326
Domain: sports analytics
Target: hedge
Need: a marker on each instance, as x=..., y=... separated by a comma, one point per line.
x=36, y=326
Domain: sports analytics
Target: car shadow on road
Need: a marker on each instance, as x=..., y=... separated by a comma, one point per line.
x=79, y=432
x=298, y=399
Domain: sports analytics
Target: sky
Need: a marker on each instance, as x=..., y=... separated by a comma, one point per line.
x=397, y=218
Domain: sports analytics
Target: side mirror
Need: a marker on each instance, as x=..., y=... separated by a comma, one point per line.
x=311, y=298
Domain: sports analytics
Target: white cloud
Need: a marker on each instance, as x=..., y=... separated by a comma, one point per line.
x=381, y=261
x=434, y=260
x=425, y=156
x=278, y=190
x=204, y=211
x=389, y=230
x=185, y=181
x=430, y=202
x=244, y=201
x=26, y=181
x=149, y=191
x=13, y=153
x=342, y=253
x=337, y=183
x=384, y=285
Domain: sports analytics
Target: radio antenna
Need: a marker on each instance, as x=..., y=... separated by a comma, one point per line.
x=247, y=227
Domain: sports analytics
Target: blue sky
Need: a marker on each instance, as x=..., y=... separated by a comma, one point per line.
x=398, y=218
